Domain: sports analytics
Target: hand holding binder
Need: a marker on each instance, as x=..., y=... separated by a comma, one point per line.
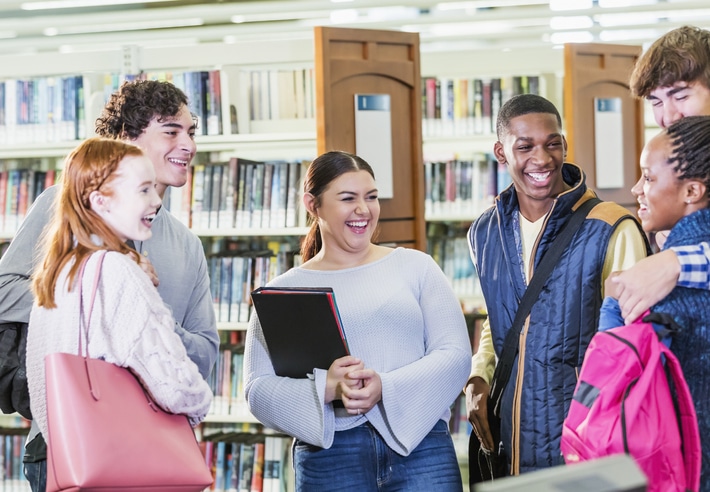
x=302, y=328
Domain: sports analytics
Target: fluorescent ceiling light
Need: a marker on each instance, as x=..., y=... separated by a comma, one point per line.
x=637, y=18
x=113, y=46
x=279, y=16
x=379, y=14
x=688, y=15
x=571, y=22
x=343, y=16
x=625, y=3
x=465, y=28
x=485, y=4
x=640, y=18
x=8, y=34
x=570, y=4
x=571, y=37
x=132, y=26
x=376, y=14
x=628, y=34
x=72, y=4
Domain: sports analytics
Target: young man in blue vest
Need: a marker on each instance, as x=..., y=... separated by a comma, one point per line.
x=507, y=242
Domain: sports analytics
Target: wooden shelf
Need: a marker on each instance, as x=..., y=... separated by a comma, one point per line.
x=231, y=326
x=255, y=232
x=460, y=146
x=452, y=218
x=248, y=143
x=232, y=419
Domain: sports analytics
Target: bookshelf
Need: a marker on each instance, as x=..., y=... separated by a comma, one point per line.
x=13, y=432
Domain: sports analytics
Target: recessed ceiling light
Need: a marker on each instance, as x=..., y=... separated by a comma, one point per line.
x=72, y=4
x=625, y=3
x=571, y=22
x=571, y=37
x=570, y=4
x=132, y=26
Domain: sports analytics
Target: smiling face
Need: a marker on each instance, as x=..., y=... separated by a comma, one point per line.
x=660, y=194
x=533, y=147
x=348, y=212
x=170, y=145
x=130, y=205
x=682, y=99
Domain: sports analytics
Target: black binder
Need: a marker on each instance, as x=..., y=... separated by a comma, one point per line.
x=302, y=328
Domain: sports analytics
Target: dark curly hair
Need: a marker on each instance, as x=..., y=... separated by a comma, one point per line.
x=690, y=143
x=131, y=108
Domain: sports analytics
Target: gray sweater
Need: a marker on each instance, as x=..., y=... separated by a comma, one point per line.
x=401, y=317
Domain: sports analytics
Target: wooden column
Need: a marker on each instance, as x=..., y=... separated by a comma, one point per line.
x=364, y=61
x=602, y=71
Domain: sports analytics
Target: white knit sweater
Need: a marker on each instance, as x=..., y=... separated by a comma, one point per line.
x=130, y=327
x=401, y=317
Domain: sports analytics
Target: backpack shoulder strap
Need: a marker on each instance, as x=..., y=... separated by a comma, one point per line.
x=687, y=419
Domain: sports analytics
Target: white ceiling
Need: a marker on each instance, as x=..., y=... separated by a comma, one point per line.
x=443, y=26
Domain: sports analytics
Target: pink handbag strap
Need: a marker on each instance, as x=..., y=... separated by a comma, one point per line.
x=84, y=325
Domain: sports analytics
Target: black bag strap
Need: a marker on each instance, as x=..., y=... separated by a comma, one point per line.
x=547, y=264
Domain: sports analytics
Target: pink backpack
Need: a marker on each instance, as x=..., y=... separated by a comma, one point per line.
x=623, y=404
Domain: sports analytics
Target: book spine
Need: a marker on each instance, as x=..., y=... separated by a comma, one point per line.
x=216, y=202
x=257, y=480
x=229, y=191
x=198, y=194
x=292, y=193
x=214, y=96
x=266, y=195
x=257, y=196
x=225, y=293
x=246, y=464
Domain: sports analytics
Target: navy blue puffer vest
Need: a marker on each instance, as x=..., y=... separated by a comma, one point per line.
x=561, y=323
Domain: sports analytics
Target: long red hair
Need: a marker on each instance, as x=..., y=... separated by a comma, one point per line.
x=72, y=232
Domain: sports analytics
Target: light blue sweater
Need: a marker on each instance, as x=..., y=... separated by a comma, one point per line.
x=403, y=320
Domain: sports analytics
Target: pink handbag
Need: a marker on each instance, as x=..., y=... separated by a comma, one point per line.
x=106, y=433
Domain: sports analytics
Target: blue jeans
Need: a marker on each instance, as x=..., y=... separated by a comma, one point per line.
x=36, y=474
x=359, y=459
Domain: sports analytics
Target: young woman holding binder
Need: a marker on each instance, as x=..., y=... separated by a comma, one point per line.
x=410, y=352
